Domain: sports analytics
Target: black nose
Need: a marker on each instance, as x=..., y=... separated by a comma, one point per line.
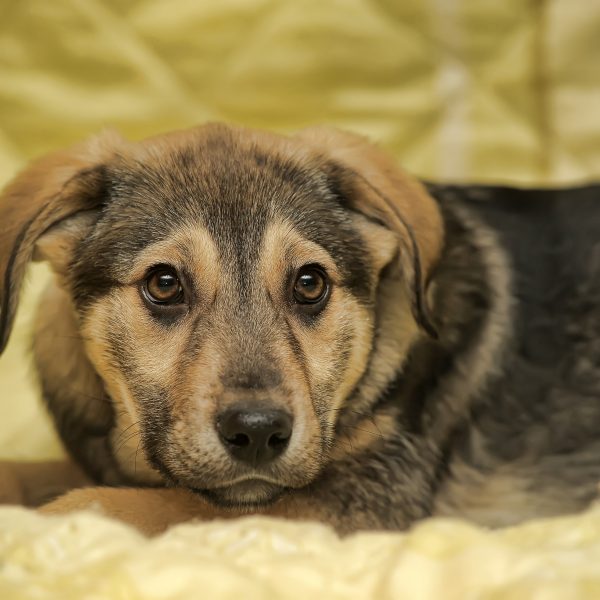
x=255, y=435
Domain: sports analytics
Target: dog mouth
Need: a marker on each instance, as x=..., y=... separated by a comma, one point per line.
x=246, y=490
x=249, y=492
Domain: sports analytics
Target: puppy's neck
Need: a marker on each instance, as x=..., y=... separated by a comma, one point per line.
x=430, y=387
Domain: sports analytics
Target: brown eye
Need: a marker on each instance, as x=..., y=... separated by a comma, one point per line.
x=162, y=286
x=311, y=285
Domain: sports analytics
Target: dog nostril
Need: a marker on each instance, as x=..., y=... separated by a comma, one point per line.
x=278, y=441
x=239, y=439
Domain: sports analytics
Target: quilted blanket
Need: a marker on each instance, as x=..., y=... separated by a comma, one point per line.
x=458, y=90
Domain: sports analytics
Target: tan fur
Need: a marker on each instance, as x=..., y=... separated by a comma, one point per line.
x=125, y=438
x=191, y=246
x=367, y=433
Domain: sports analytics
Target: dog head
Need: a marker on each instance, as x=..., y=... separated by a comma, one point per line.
x=237, y=292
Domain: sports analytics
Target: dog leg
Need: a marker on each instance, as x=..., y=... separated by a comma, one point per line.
x=151, y=510
x=35, y=483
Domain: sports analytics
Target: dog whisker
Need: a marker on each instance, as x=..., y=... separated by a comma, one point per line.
x=125, y=441
x=124, y=432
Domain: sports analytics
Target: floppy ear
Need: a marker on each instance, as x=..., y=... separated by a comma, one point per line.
x=375, y=186
x=49, y=193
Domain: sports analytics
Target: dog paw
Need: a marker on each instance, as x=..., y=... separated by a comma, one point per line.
x=75, y=500
x=151, y=510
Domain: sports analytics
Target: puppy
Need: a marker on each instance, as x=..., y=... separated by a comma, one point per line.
x=242, y=322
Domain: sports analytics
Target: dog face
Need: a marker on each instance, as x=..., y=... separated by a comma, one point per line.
x=231, y=289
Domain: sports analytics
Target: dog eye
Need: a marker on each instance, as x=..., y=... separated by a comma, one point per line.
x=311, y=285
x=162, y=286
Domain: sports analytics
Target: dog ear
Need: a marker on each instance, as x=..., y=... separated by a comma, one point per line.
x=45, y=204
x=374, y=185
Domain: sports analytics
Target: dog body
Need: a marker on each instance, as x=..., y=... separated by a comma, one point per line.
x=292, y=326
x=530, y=444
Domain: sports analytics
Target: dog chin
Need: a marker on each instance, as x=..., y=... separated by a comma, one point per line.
x=249, y=493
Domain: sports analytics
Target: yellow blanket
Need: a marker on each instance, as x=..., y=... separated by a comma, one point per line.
x=86, y=556
x=459, y=90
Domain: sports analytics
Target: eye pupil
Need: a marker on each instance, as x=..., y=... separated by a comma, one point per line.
x=310, y=286
x=166, y=281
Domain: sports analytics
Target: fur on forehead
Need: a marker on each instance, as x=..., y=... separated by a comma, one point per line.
x=234, y=182
x=218, y=151
x=320, y=156
x=257, y=174
x=215, y=173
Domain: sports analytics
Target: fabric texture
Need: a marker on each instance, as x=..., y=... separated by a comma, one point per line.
x=462, y=91
x=87, y=556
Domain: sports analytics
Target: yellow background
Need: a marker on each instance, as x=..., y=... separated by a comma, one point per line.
x=458, y=90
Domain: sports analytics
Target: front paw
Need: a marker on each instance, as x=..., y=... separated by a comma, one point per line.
x=80, y=499
x=149, y=510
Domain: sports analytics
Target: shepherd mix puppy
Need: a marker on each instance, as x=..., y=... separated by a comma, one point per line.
x=242, y=322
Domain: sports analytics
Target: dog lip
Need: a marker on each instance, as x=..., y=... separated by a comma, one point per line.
x=248, y=479
x=243, y=479
x=188, y=483
x=242, y=493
